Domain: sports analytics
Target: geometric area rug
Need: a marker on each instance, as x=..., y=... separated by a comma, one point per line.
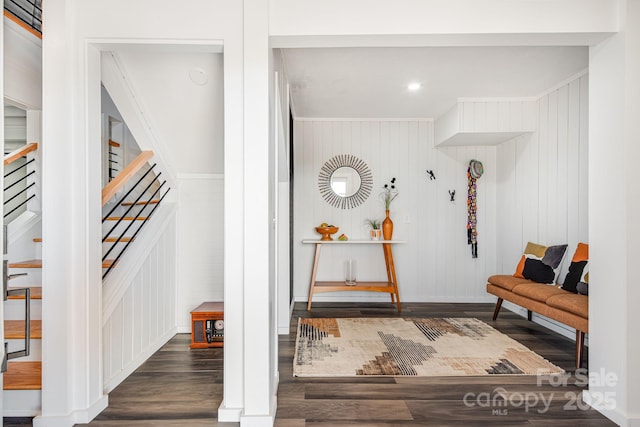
x=346, y=347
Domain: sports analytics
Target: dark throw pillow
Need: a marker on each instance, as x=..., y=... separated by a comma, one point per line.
x=540, y=263
x=577, y=268
x=583, y=288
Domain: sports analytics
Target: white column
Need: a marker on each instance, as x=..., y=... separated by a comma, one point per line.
x=614, y=232
x=71, y=274
x=234, y=207
x=259, y=327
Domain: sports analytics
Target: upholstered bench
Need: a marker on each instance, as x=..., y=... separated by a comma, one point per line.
x=549, y=300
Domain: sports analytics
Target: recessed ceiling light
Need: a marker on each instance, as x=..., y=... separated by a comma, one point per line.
x=414, y=86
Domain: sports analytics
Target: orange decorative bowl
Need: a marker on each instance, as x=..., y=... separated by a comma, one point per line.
x=327, y=232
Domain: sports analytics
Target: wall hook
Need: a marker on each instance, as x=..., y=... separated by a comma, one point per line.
x=431, y=175
x=452, y=195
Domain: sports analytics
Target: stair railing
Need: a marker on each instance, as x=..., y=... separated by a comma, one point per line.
x=124, y=176
x=14, y=180
x=27, y=13
x=10, y=183
x=118, y=183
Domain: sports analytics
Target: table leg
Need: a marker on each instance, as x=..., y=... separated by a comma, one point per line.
x=391, y=273
x=386, y=264
x=312, y=285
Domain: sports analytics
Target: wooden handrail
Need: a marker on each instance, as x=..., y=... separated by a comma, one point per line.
x=20, y=152
x=125, y=175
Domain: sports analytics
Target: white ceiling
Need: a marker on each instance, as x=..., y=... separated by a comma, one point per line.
x=372, y=82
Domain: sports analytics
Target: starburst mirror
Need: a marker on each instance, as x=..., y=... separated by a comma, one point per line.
x=345, y=181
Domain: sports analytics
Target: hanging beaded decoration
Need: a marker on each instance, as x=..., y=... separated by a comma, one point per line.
x=474, y=172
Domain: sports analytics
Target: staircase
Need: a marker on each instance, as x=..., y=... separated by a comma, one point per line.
x=129, y=201
x=23, y=296
x=23, y=380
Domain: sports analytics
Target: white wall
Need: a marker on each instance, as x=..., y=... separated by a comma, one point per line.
x=437, y=23
x=76, y=33
x=435, y=264
x=542, y=179
x=128, y=149
x=22, y=67
x=182, y=96
x=140, y=314
x=186, y=126
x=73, y=390
x=281, y=125
x=614, y=89
x=542, y=184
x=200, y=243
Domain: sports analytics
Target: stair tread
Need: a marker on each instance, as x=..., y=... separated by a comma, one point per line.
x=114, y=239
x=14, y=329
x=23, y=376
x=37, y=263
x=32, y=263
x=143, y=202
x=126, y=218
x=36, y=292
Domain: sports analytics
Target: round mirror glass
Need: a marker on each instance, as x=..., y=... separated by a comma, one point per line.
x=345, y=181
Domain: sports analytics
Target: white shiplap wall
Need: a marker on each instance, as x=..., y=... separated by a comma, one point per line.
x=143, y=318
x=435, y=264
x=542, y=179
x=200, y=243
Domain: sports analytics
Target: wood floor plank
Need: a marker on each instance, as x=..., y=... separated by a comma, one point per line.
x=437, y=401
x=340, y=409
x=187, y=422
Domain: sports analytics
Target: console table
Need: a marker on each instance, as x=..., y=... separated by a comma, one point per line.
x=390, y=286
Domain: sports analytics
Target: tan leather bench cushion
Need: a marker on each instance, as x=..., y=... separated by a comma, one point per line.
x=573, y=303
x=538, y=291
x=507, y=282
x=566, y=317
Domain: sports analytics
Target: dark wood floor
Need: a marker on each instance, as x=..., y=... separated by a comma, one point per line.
x=178, y=386
x=440, y=401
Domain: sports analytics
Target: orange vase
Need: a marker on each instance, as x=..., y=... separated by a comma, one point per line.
x=387, y=227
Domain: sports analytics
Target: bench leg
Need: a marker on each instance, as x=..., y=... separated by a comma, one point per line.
x=579, y=348
x=497, y=310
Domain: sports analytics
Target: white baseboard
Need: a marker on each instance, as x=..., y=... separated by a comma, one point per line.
x=228, y=415
x=357, y=296
x=76, y=417
x=612, y=413
x=183, y=330
x=266, y=420
x=284, y=329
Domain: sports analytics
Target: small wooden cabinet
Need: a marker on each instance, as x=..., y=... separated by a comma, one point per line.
x=207, y=325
